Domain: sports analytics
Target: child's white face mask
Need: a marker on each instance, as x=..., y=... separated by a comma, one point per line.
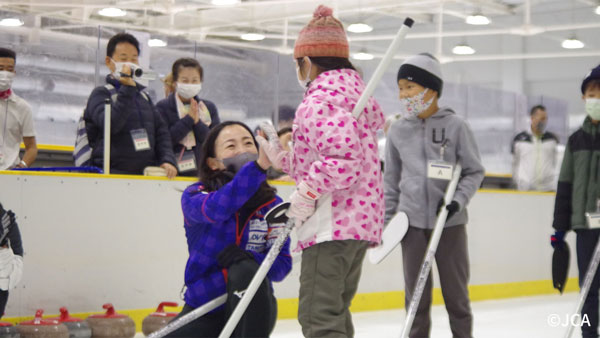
x=592, y=108
x=415, y=105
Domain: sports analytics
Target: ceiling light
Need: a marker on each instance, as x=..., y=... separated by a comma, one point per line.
x=463, y=49
x=598, y=10
x=225, y=2
x=477, y=19
x=11, y=22
x=252, y=37
x=359, y=28
x=157, y=43
x=572, y=43
x=362, y=55
x=112, y=12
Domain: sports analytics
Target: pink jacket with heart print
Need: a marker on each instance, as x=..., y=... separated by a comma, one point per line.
x=337, y=156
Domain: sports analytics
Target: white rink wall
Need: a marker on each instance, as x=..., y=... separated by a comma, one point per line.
x=89, y=240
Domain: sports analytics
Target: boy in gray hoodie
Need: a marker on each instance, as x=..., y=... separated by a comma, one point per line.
x=427, y=133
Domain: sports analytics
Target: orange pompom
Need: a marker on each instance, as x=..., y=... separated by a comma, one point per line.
x=322, y=11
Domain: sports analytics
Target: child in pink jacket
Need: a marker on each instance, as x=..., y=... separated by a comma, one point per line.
x=338, y=202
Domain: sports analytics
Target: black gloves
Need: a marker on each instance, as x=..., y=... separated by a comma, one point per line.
x=232, y=254
x=452, y=208
x=7, y=219
x=558, y=239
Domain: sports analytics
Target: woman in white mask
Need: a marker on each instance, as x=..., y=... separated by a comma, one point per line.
x=189, y=118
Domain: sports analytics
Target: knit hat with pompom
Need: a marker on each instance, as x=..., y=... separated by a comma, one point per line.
x=323, y=36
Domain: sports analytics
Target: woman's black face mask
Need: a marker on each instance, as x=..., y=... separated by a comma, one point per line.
x=235, y=163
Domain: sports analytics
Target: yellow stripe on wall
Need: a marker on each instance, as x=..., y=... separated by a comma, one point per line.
x=376, y=301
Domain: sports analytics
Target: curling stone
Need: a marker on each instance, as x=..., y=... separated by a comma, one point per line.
x=111, y=324
x=157, y=320
x=78, y=328
x=7, y=330
x=42, y=328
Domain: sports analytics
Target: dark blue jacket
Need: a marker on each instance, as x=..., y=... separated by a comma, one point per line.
x=180, y=127
x=129, y=111
x=212, y=221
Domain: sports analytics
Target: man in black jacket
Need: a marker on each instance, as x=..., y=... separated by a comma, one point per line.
x=139, y=136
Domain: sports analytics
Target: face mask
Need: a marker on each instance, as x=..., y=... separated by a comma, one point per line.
x=135, y=69
x=188, y=90
x=592, y=108
x=413, y=106
x=303, y=82
x=6, y=79
x=235, y=163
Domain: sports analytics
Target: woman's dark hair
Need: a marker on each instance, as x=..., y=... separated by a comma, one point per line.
x=185, y=63
x=213, y=179
x=326, y=63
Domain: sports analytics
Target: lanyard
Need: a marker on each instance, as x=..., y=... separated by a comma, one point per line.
x=137, y=106
x=5, y=124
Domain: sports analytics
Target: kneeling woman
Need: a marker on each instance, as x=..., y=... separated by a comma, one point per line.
x=228, y=236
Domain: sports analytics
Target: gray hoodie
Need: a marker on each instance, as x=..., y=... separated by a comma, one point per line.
x=411, y=143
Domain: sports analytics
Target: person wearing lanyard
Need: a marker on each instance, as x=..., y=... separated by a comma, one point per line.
x=535, y=154
x=16, y=120
x=189, y=118
x=139, y=136
x=424, y=139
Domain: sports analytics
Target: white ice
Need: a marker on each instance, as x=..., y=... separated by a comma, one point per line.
x=526, y=317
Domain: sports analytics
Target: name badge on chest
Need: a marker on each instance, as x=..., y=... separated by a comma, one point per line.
x=439, y=170
x=140, y=139
x=187, y=161
x=593, y=218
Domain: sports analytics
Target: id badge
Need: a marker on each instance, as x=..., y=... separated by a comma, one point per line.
x=187, y=161
x=140, y=139
x=1, y=156
x=439, y=170
x=593, y=219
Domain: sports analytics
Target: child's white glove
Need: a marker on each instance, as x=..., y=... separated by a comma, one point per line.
x=303, y=202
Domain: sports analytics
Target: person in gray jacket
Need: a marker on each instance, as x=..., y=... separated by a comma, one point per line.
x=427, y=133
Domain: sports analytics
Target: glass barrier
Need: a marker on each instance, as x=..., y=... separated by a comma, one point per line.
x=58, y=69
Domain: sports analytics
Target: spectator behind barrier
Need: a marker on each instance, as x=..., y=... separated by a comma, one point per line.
x=535, y=154
x=16, y=120
x=139, y=136
x=228, y=236
x=188, y=117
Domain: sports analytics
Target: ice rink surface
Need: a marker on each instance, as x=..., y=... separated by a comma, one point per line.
x=528, y=317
